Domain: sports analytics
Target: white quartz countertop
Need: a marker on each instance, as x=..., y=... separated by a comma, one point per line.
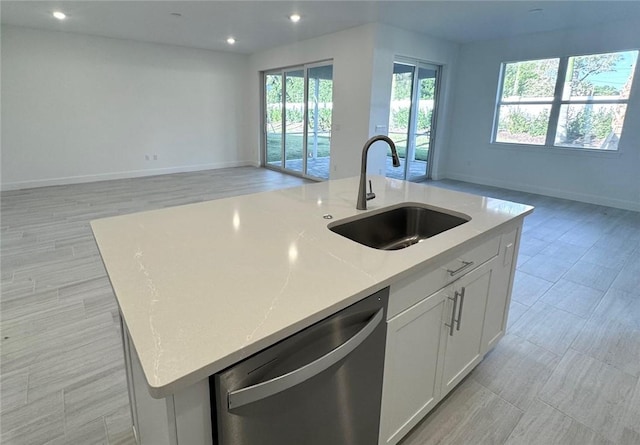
x=202, y=286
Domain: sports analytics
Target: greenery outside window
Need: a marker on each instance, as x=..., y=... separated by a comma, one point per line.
x=577, y=102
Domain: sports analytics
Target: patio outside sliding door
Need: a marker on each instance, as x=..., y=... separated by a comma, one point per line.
x=298, y=105
x=412, y=116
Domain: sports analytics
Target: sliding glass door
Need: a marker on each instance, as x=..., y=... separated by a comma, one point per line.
x=412, y=116
x=297, y=120
x=273, y=118
x=293, y=120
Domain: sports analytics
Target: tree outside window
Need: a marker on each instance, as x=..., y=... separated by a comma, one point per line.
x=577, y=102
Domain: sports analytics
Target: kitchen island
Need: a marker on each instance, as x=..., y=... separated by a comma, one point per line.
x=201, y=287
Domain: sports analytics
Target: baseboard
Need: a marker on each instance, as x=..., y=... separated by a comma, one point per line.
x=556, y=193
x=19, y=185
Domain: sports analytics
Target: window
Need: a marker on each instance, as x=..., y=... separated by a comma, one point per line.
x=577, y=102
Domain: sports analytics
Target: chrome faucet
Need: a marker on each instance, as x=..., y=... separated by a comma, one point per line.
x=363, y=196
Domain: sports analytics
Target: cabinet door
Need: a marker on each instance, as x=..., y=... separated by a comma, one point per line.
x=411, y=382
x=464, y=341
x=495, y=321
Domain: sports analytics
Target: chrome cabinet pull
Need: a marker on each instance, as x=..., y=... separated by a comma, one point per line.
x=459, y=320
x=465, y=265
x=451, y=324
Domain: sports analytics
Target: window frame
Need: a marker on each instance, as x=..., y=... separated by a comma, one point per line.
x=557, y=102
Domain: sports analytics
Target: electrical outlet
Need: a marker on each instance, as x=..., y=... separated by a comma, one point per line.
x=155, y=157
x=146, y=157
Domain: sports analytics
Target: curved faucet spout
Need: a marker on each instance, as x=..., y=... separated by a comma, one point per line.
x=363, y=196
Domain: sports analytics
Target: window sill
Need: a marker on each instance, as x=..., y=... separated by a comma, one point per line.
x=571, y=151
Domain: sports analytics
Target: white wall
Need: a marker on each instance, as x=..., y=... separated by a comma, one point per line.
x=601, y=178
x=81, y=108
x=352, y=54
x=392, y=42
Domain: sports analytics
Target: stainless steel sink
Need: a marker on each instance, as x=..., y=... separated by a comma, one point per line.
x=397, y=227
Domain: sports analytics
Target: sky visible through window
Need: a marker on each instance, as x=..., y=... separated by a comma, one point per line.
x=621, y=71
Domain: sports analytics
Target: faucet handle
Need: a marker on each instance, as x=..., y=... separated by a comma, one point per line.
x=370, y=195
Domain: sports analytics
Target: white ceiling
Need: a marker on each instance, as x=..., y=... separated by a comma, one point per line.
x=259, y=25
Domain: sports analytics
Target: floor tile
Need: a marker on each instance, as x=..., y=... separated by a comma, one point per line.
x=591, y=392
x=74, y=366
x=84, y=289
x=544, y=425
x=516, y=370
x=16, y=289
x=42, y=257
x=563, y=251
x=22, y=305
x=471, y=414
x=548, y=327
x=613, y=342
x=624, y=243
x=26, y=350
x=13, y=387
x=90, y=398
x=620, y=306
x=527, y=289
x=42, y=318
x=531, y=246
x=628, y=279
x=522, y=258
x=592, y=275
x=119, y=429
x=573, y=297
x=547, y=234
x=629, y=437
x=516, y=310
x=585, y=235
x=35, y=423
x=607, y=257
x=546, y=267
x=631, y=430
x=92, y=433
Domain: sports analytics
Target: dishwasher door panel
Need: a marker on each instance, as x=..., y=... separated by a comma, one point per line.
x=320, y=386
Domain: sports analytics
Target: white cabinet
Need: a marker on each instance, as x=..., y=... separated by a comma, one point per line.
x=464, y=318
x=441, y=322
x=495, y=319
x=411, y=385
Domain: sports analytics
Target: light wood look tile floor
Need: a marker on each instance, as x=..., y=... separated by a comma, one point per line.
x=566, y=373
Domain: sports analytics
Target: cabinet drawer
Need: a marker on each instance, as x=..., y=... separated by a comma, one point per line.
x=414, y=288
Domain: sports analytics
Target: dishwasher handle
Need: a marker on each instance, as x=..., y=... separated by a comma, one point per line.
x=259, y=391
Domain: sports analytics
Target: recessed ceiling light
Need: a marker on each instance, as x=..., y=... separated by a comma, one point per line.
x=231, y=40
x=59, y=15
x=295, y=18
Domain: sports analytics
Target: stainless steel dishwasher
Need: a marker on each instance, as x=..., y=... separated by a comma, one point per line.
x=321, y=386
